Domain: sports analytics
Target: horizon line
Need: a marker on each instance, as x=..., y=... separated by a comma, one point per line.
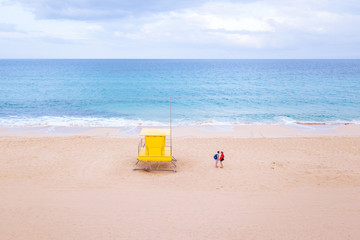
x=179, y=58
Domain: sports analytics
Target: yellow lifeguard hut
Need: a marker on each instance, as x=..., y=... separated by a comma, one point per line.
x=155, y=150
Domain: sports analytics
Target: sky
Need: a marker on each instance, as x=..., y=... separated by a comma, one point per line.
x=210, y=29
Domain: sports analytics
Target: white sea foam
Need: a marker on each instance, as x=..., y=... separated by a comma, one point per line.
x=53, y=121
x=357, y=122
x=285, y=121
x=207, y=123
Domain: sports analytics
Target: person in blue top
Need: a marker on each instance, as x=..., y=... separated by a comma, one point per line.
x=217, y=157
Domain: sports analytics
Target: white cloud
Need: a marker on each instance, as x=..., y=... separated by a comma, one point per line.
x=30, y=27
x=94, y=28
x=215, y=29
x=93, y=10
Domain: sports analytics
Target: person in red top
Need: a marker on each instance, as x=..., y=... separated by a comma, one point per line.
x=221, y=159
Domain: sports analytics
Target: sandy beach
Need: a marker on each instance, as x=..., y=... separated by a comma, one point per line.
x=296, y=186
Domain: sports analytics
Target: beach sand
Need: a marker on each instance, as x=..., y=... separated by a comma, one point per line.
x=83, y=187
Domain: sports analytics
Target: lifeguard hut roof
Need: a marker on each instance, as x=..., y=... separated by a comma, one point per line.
x=155, y=132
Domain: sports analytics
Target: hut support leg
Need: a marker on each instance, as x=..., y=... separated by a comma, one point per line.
x=157, y=167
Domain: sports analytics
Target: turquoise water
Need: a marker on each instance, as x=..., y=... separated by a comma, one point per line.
x=137, y=92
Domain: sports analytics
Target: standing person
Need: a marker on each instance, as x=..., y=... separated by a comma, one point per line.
x=217, y=157
x=222, y=157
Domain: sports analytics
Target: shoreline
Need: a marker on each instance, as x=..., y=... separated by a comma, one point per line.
x=200, y=131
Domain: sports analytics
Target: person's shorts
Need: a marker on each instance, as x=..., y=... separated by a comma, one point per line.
x=222, y=160
x=216, y=160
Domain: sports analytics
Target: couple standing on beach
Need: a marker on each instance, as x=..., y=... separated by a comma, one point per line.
x=218, y=157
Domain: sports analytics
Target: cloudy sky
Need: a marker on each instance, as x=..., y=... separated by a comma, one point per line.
x=179, y=29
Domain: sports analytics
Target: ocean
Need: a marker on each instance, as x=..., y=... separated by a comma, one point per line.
x=120, y=93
